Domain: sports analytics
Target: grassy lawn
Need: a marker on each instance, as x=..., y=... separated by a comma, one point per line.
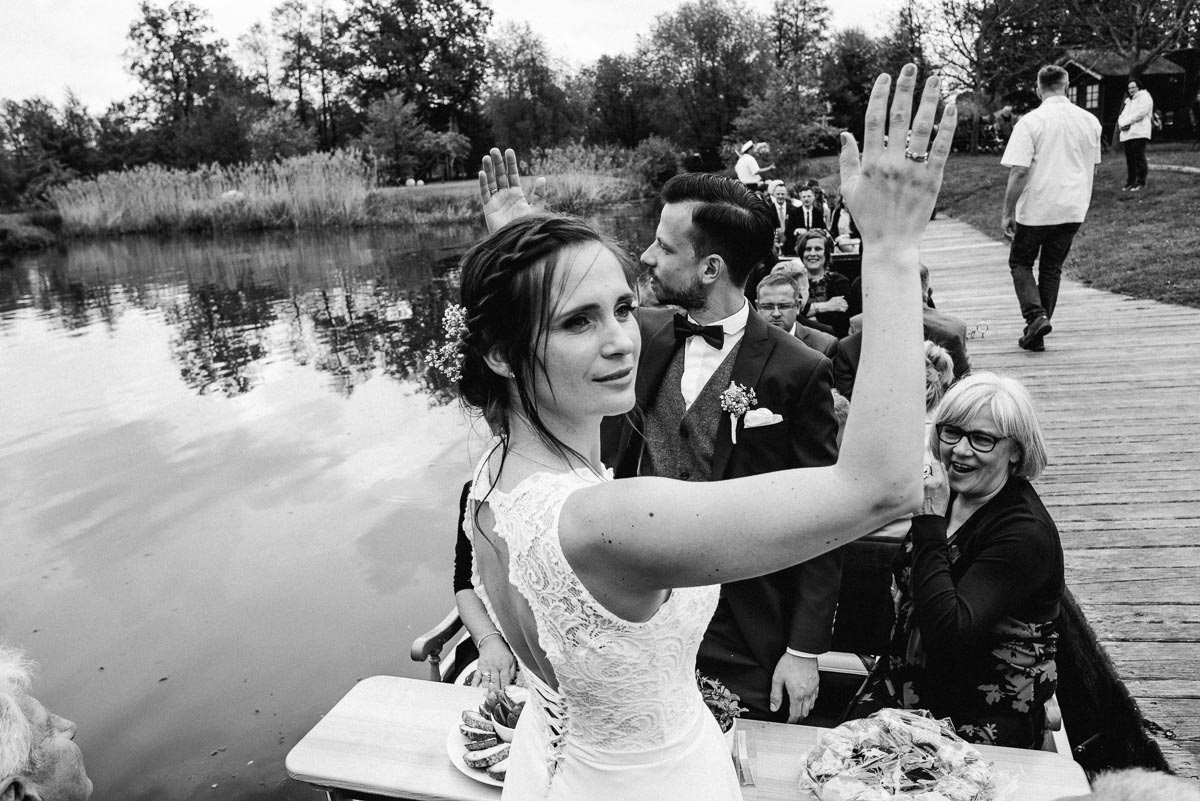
x=1146, y=244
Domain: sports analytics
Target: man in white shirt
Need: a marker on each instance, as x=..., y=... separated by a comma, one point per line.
x=767, y=632
x=747, y=169
x=1052, y=156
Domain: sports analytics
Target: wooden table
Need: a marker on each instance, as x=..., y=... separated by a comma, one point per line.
x=387, y=737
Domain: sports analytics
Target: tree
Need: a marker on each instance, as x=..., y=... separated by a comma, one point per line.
x=42, y=147
x=277, y=134
x=254, y=46
x=622, y=105
x=992, y=47
x=432, y=51
x=291, y=24
x=526, y=102
x=799, y=28
x=1139, y=30
x=405, y=146
x=789, y=116
x=849, y=72
x=709, y=58
x=175, y=54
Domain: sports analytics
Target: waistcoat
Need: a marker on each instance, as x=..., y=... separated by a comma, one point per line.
x=679, y=442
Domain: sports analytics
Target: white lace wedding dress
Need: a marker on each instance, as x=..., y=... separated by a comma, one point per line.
x=627, y=721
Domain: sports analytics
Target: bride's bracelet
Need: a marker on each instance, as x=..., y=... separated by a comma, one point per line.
x=479, y=642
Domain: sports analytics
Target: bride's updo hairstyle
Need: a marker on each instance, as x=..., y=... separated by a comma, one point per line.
x=509, y=281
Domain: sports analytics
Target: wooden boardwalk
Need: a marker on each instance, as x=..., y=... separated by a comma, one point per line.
x=1118, y=389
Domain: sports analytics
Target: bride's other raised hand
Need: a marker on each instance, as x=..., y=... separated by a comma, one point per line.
x=891, y=191
x=500, y=190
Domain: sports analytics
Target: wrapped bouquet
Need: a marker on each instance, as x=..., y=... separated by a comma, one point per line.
x=903, y=754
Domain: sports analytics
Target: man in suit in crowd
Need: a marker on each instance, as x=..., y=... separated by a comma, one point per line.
x=811, y=214
x=940, y=328
x=780, y=298
x=767, y=632
x=787, y=216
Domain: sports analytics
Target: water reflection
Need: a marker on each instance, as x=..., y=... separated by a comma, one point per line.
x=227, y=489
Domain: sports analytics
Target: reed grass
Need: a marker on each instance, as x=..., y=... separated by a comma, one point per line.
x=311, y=191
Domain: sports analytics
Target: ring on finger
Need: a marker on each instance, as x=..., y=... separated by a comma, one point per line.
x=919, y=157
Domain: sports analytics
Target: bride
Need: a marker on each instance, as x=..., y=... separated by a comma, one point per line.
x=604, y=588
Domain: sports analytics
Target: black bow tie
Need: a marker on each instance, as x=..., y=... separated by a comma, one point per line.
x=712, y=334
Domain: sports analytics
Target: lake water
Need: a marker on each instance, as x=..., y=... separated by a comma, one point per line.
x=227, y=490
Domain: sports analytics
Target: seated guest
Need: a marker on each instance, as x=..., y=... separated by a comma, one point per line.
x=827, y=290
x=794, y=269
x=979, y=576
x=780, y=298
x=787, y=215
x=497, y=666
x=38, y=755
x=844, y=230
x=812, y=214
x=945, y=329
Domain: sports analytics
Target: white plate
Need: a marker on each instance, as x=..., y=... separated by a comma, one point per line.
x=456, y=746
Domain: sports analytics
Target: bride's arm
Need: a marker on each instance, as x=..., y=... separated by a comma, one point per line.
x=629, y=538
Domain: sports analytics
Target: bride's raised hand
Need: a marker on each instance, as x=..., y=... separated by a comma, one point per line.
x=892, y=192
x=503, y=198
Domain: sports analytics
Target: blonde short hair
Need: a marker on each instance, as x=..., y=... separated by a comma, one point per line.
x=939, y=374
x=16, y=732
x=1010, y=405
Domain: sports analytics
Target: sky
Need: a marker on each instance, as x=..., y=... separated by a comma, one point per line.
x=48, y=46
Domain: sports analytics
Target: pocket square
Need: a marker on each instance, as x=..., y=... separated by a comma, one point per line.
x=761, y=417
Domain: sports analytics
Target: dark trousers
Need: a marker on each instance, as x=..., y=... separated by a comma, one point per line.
x=1048, y=245
x=1135, y=162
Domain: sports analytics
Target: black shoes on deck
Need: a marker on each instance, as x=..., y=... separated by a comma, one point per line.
x=1035, y=333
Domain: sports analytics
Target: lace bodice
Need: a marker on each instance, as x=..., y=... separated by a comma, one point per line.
x=625, y=686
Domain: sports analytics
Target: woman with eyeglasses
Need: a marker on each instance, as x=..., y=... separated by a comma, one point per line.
x=979, y=578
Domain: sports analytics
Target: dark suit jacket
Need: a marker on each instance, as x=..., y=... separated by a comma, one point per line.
x=794, y=219
x=795, y=606
x=818, y=219
x=819, y=341
x=944, y=329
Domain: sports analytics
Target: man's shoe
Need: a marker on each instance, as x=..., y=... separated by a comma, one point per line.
x=1126, y=187
x=1137, y=187
x=1038, y=327
x=1035, y=344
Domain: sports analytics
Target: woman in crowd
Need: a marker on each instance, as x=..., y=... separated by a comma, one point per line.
x=939, y=375
x=604, y=588
x=843, y=229
x=827, y=290
x=980, y=575
x=1136, y=123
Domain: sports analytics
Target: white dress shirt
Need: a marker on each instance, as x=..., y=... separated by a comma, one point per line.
x=1060, y=145
x=701, y=360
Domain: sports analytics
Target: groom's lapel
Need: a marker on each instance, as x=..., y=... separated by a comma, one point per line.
x=748, y=367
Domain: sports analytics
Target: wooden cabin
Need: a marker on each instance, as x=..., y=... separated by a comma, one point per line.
x=1099, y=78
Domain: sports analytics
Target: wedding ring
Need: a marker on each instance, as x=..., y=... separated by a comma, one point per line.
x=911, y=156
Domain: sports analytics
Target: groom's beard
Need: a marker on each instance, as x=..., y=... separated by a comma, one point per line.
x=689, y=298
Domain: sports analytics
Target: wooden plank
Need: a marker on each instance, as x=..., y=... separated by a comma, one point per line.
x=1149, y=623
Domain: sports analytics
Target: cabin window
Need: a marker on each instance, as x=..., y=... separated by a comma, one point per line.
x=1091, y=96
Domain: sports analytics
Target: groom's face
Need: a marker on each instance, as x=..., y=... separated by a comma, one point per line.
x=671, y=260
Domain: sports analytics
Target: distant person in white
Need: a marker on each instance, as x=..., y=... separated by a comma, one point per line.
x=747, y=169
x=1052, y=156
x=1136, y=123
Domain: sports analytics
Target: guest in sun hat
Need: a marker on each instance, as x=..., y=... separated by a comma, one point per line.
x=747, y=169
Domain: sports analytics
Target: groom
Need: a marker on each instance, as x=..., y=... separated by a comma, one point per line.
x=766, y=633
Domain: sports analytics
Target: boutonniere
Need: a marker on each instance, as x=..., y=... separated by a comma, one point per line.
x=737, y=400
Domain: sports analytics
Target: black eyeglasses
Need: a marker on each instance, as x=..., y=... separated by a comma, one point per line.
x=981, y=442
x=769, y=308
